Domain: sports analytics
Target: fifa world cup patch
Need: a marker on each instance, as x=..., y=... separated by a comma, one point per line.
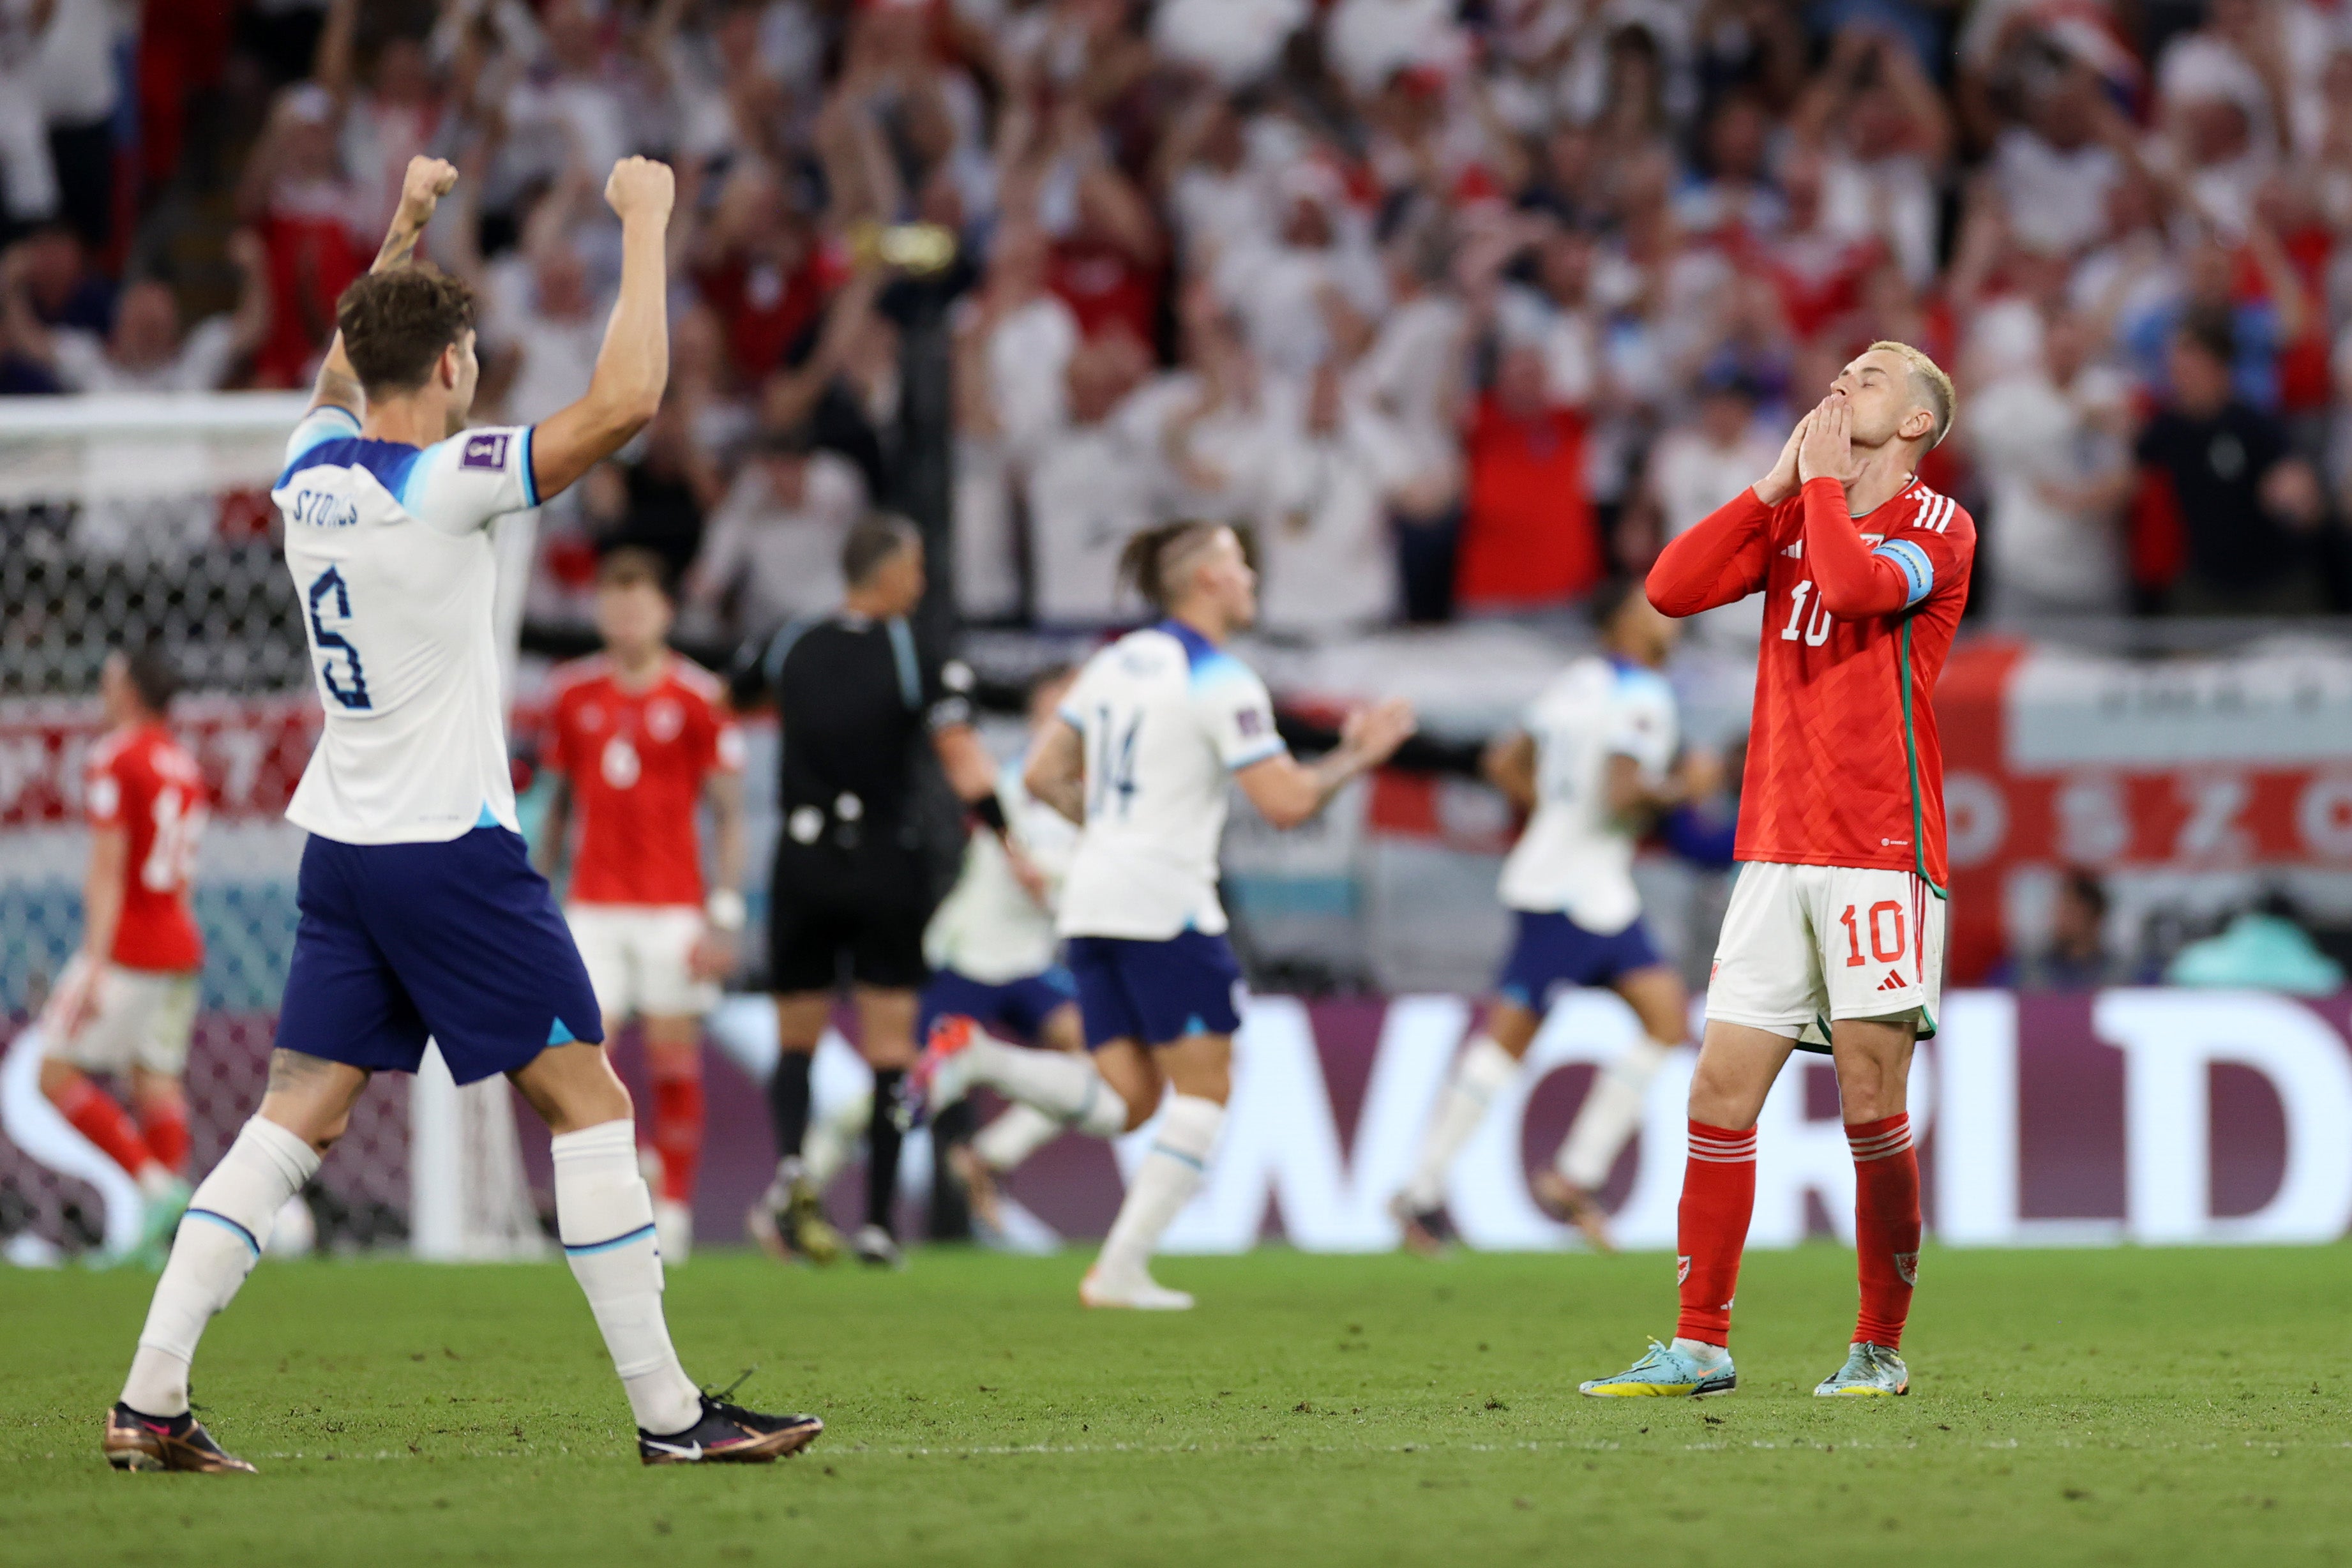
x=485, y=451
x=1907, y=1264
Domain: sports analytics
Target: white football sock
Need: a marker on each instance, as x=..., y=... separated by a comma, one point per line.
x=605, y=1215
x=833, y=1138
x=227, y=1224
x=1483, y=1068
x=1164, y=1183
x=1014, y=1136
x=1610, y=1114
x=1064, y=1087
x=1705, y=1353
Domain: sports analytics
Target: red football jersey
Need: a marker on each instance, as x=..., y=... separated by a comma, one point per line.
x=139, y=780
x=637, y=761
x=1844, y=764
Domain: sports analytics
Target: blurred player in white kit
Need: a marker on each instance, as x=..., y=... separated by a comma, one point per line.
x=1592, y=764
x=1143, y=754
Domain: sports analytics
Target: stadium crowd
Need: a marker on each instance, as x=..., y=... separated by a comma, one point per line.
x=1459, y=304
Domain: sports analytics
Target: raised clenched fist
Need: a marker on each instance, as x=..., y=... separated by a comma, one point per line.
x=640, y=188
x=426, y=182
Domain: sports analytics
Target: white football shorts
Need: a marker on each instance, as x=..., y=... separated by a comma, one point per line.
x=1805, y=945
x=636, y=958
x=144, y=1019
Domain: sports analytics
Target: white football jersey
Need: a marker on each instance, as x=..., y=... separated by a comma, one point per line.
x=1574, y=859
x=989, y=928
x=1165, y=717
x=394, y=577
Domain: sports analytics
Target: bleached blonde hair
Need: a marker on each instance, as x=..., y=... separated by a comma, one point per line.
x=1934, y=387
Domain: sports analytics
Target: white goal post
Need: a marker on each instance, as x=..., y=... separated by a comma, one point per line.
x=146, y=515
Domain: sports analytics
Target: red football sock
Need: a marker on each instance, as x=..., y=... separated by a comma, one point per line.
x=1885, y=1225
x=1718, y=1195
x=677, y=1130
x=96, y=1117
x=165, y=1128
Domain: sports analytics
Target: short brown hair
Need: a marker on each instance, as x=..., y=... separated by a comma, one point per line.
x=632, y=565
x=154, y=675
x=397, y=323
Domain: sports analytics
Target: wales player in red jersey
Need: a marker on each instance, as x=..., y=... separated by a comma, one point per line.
x=1834, y=937
x=638, y=741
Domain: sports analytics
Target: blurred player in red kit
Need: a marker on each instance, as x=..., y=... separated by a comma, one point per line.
x=638, y=741
x=1834, y=937
x=127, y=1001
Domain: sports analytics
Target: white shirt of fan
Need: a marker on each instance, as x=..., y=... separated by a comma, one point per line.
x=1575, y=858
x=394, y=579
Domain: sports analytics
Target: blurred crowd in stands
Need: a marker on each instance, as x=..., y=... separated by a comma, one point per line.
x=1460, y=305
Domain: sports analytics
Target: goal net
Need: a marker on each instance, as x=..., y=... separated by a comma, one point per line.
x=137, y=520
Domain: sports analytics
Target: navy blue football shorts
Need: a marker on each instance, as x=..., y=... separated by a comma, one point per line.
x=1016, y=1007
x=1551, y=951
x=458, y=941
x=1155, y=993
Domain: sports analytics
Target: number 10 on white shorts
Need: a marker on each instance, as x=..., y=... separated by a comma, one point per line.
x=1803, y=945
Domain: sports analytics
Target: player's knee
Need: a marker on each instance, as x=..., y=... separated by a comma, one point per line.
x=1721, y=1097
x=1204, y=1082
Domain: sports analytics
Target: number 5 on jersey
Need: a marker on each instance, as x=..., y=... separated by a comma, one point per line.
x=328, y=596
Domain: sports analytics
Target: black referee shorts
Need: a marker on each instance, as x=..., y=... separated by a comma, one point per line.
x=837, y=918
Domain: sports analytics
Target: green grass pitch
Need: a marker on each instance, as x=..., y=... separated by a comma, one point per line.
x=2124, y=1407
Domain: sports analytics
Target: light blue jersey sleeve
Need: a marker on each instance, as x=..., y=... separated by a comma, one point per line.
x=1233, y=702
x=461, y=484
x=328, y=422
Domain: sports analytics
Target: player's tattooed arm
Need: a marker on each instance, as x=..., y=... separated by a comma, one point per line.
x=1056, y=773
x=421, y=190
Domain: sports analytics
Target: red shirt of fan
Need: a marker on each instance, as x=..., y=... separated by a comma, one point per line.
x=637, y=761
x=1844, y=764
x=139, y=780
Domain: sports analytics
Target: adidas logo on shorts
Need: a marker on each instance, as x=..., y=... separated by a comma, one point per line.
x=1894, y=982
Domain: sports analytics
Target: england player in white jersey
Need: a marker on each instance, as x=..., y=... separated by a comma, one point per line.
x=1592, y=764
x=1139, y=756
x=421, y=915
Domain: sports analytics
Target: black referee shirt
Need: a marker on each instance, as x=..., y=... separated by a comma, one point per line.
x=856, y=701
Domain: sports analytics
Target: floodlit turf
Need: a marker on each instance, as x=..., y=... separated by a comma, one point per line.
x=2111, y=1407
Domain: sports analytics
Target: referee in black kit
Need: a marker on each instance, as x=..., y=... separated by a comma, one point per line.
x=856, y=702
